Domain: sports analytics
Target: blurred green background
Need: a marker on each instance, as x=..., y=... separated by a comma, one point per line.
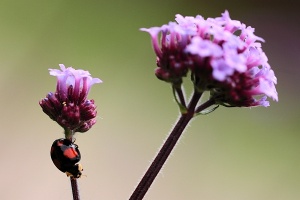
x=231, y=154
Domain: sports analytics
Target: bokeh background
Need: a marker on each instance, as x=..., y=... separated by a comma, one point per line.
x=231, y=154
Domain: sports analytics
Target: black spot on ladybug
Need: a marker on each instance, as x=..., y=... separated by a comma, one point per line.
x=65, y=156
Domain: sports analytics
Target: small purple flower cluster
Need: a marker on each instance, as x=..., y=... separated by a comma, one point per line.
x=69, y=105
x=223, y=55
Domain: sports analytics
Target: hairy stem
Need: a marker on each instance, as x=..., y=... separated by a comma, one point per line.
x=166, y=149
x=75, y=189
x=205, y=105
x=74, y=185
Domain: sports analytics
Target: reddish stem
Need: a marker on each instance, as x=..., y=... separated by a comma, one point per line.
x=74, y=185
x=165, y=150
x=75, y=189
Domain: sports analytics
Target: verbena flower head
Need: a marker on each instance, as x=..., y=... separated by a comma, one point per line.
x=224, y=56
x=69, y=105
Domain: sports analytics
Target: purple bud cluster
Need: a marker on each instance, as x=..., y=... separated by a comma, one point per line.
x=69, y=105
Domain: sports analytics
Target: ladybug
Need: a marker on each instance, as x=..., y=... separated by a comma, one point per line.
x=65, y=156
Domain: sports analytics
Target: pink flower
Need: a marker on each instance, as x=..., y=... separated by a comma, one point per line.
x=69, y=106
x=171, y=60
x=223, y=55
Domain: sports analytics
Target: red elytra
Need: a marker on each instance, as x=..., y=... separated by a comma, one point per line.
x=71, y=153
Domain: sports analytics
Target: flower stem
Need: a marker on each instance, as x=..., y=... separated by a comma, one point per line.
x=177, y=90
x=74, y=185
x=205, y=105
x=166, y=149
x=75, y=189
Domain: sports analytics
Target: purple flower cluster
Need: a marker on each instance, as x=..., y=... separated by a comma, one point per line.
x=69, y=105
x=223, y=55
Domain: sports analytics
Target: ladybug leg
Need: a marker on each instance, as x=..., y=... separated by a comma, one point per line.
x=78, y=175
x=80, y=168
x=69, y=174
x=75, y=172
